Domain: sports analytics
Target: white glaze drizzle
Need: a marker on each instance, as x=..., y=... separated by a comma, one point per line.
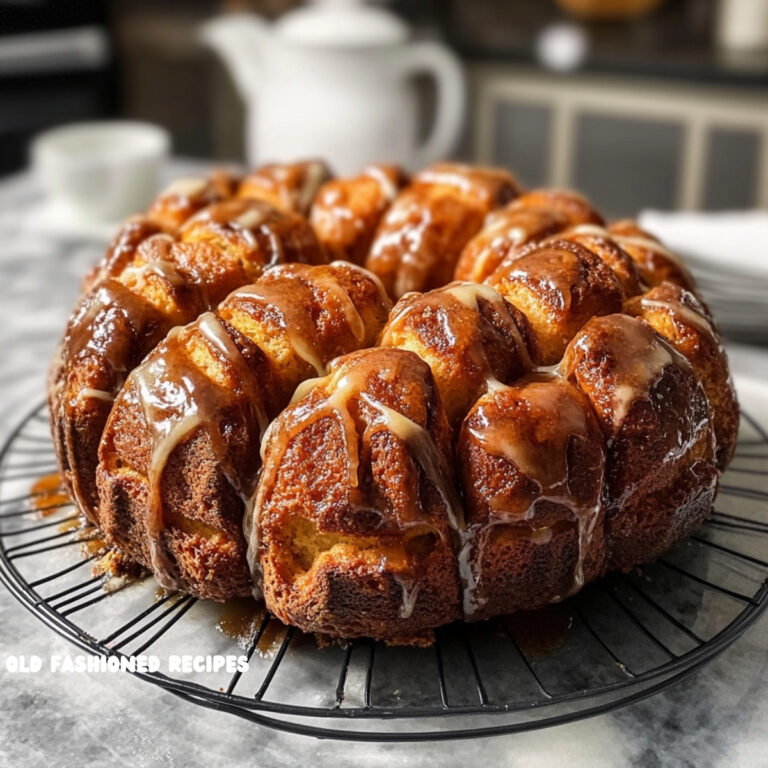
x=331, y=286
x=338, y=389
x=410, y=590
x=166, y=430
x=301, y=345
x=185, y=187
x=313, y=178
x=88, y=393
x=689, y=314
x=467, y=294
x=210, y=326
x=388, y=187
x=159, y=268
x=368, y=275
x=549, y=472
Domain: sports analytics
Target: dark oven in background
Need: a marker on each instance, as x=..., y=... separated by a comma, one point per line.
x=56, y=66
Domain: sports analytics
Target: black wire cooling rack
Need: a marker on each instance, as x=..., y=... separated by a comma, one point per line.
x=621, y=639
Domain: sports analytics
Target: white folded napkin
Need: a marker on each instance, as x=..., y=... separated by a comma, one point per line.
x=731, y=241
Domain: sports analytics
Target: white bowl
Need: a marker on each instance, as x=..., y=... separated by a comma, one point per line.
x=101, y=171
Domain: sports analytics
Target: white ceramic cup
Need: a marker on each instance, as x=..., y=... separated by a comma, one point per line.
x=743, y=24
x=101, y=171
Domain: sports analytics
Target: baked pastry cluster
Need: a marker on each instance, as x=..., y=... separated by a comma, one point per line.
x=239, y=407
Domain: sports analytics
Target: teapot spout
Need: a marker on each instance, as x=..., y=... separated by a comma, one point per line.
x=239, y=39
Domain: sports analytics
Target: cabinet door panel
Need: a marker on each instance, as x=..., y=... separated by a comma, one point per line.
x=627, y=163
x=522, y=140
x=732, y=168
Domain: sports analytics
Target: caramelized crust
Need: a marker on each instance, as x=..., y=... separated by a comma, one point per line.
x=660, y=472
x=558, y=286
x=360, y=544
x=146, y=284
x=420, y=237
x=469, y=336
x=198, y=335
x=655, y=263
x=677, y=315
x=179, y=457
x=605, y=246
x=255, y=233
x=531, y=459
x=121, y=251
x=185, y=197
x=573, y=206
x=290, y=187
x=346, y=212
x=111, y=331
x=503, y=232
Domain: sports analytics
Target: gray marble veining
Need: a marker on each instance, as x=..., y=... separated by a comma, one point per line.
x=716, y=718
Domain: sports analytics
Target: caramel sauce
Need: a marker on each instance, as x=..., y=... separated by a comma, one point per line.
x=504, y=232
x=94, y=546
x=537, y=445
x=240, y=618
x=178, y=397
x=539, y=633
x=333, y=395
x=47, y=494
x=70, y=525
x=272, y=638
x=290, y=187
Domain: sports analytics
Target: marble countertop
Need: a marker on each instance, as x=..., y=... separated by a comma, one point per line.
x=715, y=718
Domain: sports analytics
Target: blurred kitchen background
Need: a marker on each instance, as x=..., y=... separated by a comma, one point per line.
x=639, y=103
x=644, y=105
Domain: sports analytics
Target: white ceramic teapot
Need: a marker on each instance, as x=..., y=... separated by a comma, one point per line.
x=334, y=80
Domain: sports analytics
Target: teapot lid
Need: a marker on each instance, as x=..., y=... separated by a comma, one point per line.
x=341, y=23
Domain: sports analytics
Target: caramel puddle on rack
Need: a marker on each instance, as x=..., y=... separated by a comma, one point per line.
x=70, y=525
x=48, y=494
x=92, y=541
x=271, y=639
x=240, y=619
x=540, y=633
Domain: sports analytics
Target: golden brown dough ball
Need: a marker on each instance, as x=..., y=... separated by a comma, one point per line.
x=346, y=212
x=661, y=474
x=678, y=316
x=558, y=286
x=361, y=544
x=421, y=235
x=471, y=338
x=531, y=459
x=654, y=262
x=289, y=187
x=503, y=232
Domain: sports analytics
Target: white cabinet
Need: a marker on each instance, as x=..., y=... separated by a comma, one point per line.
x=626, y=142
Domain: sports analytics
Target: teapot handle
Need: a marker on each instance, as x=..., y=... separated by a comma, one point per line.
x=438, y=61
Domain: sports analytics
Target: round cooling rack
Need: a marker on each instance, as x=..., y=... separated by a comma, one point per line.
x=621, y=639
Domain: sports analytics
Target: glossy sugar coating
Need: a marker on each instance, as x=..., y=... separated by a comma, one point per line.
x=547, y=400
